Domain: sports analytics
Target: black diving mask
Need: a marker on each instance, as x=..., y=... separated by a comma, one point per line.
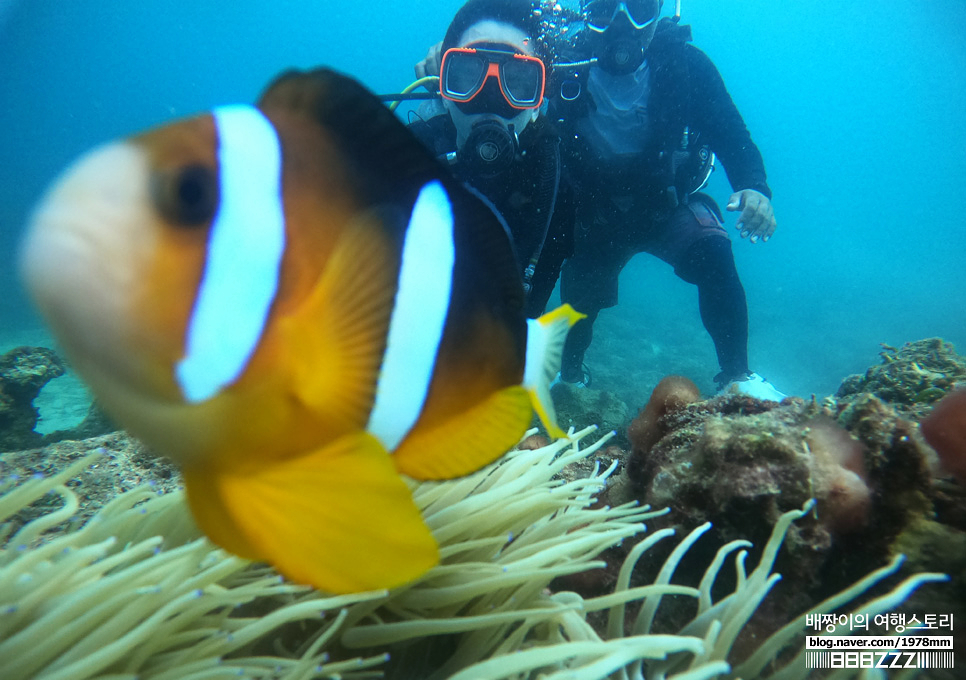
x=600, y=14
x=621, y=31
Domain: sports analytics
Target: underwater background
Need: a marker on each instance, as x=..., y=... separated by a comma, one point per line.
x=857, y=108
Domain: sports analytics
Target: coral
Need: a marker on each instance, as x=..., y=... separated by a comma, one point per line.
x=838, y=475
x=931, y=545
x=741, y=463
x=670, y=395
x=945, y=430
x=134, y=592
x=23, y=373
x=910, y=377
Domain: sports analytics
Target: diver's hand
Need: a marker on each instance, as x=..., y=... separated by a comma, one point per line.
x=430, y=65
x=757, y=218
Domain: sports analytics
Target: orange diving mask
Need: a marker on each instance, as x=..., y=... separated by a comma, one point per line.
x=465, y=70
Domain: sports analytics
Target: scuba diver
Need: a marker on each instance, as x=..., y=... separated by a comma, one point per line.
x=489, y=129
x=643, y=114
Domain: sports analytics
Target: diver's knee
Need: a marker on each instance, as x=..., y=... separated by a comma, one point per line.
x=708, y=259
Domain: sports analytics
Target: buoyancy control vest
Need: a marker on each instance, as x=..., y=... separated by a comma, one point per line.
x=674, y=163
x=524, y=193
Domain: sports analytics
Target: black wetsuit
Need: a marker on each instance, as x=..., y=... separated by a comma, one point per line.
x=535, y=204
x=636, y=202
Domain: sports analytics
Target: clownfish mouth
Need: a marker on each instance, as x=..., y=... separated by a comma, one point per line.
x=82, y=260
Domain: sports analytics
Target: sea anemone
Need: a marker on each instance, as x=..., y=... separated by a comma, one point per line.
x=137, y=593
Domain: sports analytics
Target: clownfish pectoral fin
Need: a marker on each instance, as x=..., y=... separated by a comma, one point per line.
x=340, y=518
x=467, y=442
x=337, y=338
x=545, y=342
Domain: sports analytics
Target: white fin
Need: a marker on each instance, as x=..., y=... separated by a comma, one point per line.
x=545, y=342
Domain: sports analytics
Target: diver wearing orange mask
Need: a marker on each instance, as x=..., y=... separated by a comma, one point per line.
x=489, y=129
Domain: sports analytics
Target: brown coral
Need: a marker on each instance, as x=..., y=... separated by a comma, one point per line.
x=671, y=394
x=945, y=430
x=838, y=475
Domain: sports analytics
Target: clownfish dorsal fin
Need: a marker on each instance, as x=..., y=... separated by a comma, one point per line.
x=391, y=164
x=340, y=518
x=335, y=341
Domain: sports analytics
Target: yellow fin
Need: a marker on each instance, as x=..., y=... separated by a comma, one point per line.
x=337, y=338
x=465, y=443
x=340, y=519
x=545, y=342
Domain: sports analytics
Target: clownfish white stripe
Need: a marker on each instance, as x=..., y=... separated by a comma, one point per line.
x=418, y=317
x=244, y=255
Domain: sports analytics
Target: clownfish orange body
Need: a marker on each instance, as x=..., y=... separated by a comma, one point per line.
x=294, y=303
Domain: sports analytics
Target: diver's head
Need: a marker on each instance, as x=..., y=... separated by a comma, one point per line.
x=492, y=79
x=620, y=31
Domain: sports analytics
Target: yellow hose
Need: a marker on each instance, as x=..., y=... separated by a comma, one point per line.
x=425, y=80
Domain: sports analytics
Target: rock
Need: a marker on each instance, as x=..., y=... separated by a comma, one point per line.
x=740, y=463
x=23, y=373
x=126, y=464
x=911, y=377
x=95, y=424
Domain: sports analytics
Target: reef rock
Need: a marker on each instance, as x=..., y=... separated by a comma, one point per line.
x=126, y=464
x=23, y=373
x=577, y=406
x=95, y=424
x=741, y=463
x=910, y=377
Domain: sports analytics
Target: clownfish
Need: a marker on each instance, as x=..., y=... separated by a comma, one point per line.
x=295, y=303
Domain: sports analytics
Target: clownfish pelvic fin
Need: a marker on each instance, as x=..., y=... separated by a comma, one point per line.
x=546, y=336
x=461, y=445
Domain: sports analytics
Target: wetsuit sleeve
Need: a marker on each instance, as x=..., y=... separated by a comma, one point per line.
x=717, y=116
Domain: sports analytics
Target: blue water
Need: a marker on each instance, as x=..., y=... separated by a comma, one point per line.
x=857, y=108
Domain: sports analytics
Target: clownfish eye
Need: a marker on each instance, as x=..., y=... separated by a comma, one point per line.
x=187, y=196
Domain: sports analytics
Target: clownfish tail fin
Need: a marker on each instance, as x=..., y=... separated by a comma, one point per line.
x=545, y=342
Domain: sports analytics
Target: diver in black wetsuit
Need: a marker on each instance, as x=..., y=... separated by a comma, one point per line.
x=640, y=123
x=489, y=129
